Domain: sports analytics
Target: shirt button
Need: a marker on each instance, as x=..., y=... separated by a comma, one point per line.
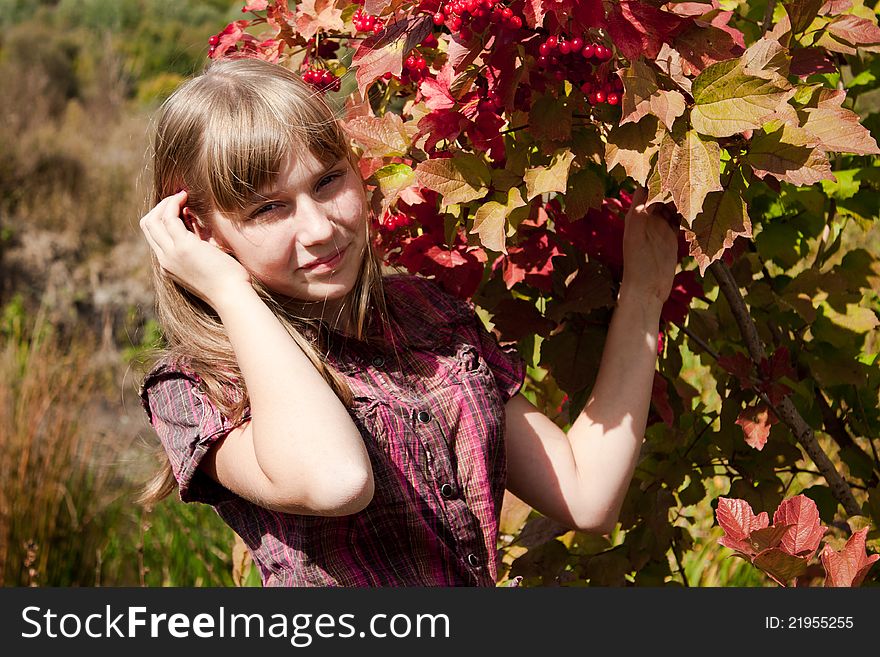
x=378, y=361
x=424, y=416
x=447, y=490
x=473, y=560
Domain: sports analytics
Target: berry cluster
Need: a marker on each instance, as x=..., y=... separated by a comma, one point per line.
x=364, y=22
x=474, y=16
x=563, y=58
x=321, y=78
x=391, y=221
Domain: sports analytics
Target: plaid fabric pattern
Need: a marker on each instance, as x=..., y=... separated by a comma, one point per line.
x=431, y=412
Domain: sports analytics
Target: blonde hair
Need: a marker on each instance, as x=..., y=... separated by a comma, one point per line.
x=222, y=136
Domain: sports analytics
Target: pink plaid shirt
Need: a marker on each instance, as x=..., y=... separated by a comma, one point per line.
x=431, y=413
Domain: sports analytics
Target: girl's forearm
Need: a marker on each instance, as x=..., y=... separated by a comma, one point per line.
x=607, y=436
x=301, y=430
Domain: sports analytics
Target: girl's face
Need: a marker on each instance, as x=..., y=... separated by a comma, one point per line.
x=304, y=239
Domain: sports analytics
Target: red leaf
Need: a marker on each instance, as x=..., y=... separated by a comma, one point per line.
x=849, y=566
x=385, y=52
x=442, y=125
x=780, y=565
x=531, y=261
x=638, y=28
x=807, y=61
x=436, y=90
x=737, y=519
x=803, y=539
x=740, y=366
x=660, y=399
x=685, y=288
x=756, y=422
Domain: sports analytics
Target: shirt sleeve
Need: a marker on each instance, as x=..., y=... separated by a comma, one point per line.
x=505, y=362
x=187, y=424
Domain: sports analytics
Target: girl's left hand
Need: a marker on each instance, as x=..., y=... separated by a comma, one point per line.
x=650, y=252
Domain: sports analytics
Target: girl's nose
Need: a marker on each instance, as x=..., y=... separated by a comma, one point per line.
x=315, y=225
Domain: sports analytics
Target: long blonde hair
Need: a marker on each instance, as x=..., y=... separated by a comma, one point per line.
x=221, y=136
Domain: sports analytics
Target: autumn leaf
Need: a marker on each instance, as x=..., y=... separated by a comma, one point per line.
x=392, y=179
x=728, y=101
x=839, y=130
x=723, y=218
x=737, y=519
x=801, y=13
x=807, y=531
x=788, y=154
x=381, y=137
x=689, y=168
x=632, y=146
x=490, y=221
x=314, y=15
x=849, y=566
x=781, y=566
x=552, y=178
x=756, y=422
x=642, y=96
x=459, y=179
x=384, y=53
x=639, y=28
x=855, y=30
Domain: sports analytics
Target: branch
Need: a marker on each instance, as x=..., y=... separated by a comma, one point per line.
x=768, y=16
x=785, y=410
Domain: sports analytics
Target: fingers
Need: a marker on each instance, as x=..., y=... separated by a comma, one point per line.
x=158, y=225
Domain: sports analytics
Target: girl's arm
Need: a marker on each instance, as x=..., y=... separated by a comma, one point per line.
x=581, y=478
x=300, y=452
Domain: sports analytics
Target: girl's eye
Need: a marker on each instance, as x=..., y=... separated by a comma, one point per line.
x=264, y=210
x=329, y=178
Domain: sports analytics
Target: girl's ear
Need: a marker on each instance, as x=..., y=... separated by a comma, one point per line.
x=198, y=227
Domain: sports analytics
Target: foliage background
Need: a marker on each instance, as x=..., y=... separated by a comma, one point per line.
x=77, y=330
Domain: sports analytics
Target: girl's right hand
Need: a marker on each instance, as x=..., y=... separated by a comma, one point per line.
x=200, y=266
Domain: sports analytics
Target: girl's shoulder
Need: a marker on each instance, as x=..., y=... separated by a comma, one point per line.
x=425, y=311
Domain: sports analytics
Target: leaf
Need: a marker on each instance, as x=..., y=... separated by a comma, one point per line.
x=632, y=146
x=384, y=52
x=804, y=537
x=572, y=356
x=490, y=221
x=788, y=154
x=689, y=168
x=392, y=179
x=849, y=566
x=781, y=566
x=801, y=13
x=769, y=537
x=638, y=28
x=381, y=137
x=642, y=96
x=855, y=30
x=728, y=101
x=459, y=179
x=314, y=15
x=766, y=58
x=838, y=130
x=550, y=118
x=703, y=45
x=585, y=190
x=552, y=178
x=756, y=422
x=723, y=218
x=737, y=519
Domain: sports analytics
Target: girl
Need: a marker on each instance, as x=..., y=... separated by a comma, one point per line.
x=354, y=428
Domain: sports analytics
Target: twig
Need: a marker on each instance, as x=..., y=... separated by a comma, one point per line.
x=768, y=16
x=700, y=342
x=785, y=410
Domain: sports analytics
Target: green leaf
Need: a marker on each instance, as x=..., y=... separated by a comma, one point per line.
x=490, y=221
x=788, y=154
x=552, y=178
x=728, y=101
x=458, y=179
x=723, y=218
x=846, y=186
x=392, y=179
x=550, y=118
x=585, y=190
x=632, y=146
x=689, y=168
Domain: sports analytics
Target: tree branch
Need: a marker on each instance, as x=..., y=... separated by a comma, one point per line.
x=785, y=410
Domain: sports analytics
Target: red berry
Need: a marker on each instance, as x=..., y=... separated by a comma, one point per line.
x=515, y=22
x=439, y=18
x=507, y=12
x=544, y=49
x=214, y=40
x=552, y=42
x=589, y=51
x=564, y=47
x=600, y=96
x=576, y=44
x=613, y=98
